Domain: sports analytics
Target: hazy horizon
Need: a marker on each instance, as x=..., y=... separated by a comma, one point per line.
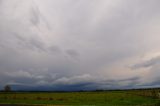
x=79, y=44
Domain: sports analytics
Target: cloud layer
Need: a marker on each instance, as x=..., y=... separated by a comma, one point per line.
x=78, y=45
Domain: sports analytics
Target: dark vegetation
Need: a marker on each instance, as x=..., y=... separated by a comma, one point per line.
x=7, y=88
x=130, y=97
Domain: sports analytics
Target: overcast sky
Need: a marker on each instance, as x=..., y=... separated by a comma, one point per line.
x=80, y=44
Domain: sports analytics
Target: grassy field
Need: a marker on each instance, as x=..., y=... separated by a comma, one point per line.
x=105, y=98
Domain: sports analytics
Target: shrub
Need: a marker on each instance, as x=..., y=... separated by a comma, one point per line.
x=7, y=88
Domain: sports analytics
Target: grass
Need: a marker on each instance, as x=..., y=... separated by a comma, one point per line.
x=108, y=98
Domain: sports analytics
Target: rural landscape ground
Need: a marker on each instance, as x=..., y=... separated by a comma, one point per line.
x=148, y=97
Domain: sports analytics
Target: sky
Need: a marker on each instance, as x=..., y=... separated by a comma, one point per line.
x=79, y=44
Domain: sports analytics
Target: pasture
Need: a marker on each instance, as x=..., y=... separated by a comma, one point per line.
x=103, y=98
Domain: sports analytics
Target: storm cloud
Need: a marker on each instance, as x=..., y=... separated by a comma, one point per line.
x=77, y=45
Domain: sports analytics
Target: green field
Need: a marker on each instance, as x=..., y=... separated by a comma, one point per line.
x=105, y=98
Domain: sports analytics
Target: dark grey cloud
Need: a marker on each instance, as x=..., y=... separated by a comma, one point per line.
x=151, y=67
x=55, y=49
x=35, y=16
x=74, y=83
x=72, y=53
x=29, y=43
x=148, y=63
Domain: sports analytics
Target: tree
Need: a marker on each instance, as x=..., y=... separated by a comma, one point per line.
x=7, y=88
